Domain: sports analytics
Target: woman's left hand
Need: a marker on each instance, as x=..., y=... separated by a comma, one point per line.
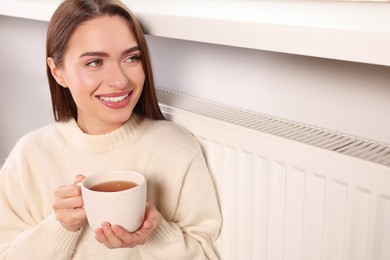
x=113, y=236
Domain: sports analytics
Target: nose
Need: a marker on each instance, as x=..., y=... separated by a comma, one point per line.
x=116, y=78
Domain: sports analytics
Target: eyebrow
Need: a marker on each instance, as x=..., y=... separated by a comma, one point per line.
x=105, y=54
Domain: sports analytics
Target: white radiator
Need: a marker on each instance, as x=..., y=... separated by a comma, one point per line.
x=290, y=191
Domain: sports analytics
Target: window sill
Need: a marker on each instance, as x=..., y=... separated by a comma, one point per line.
x=350, y=31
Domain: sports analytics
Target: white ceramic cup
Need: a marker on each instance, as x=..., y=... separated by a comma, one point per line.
x=125, y=208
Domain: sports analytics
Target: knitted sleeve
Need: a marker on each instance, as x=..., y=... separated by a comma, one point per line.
x=196, y=223
x=25, y=232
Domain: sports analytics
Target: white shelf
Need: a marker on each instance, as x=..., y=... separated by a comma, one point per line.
x=350, y=31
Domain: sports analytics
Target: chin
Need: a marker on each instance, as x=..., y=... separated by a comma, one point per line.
x=120, y=119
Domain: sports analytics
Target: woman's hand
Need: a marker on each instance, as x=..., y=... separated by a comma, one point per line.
x=116, y=237
x=68, y=205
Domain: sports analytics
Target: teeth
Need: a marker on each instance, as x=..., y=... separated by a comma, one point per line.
x=113, y=99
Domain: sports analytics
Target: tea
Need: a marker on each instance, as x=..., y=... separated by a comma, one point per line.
x=113, y=186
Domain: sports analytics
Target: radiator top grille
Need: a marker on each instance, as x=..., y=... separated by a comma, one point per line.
x=338, y=142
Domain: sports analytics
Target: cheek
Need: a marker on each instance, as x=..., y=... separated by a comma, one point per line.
x=82, y=86
x=140, y=77
x=79, y=80
x=142, y=80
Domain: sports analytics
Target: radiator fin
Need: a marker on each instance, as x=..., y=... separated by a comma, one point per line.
x=326, y=139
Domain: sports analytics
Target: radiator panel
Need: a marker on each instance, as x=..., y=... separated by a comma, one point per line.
x=283, y=199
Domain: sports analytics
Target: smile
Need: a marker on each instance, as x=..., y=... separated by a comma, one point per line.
x=114, y=99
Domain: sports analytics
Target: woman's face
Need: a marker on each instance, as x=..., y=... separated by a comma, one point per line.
x=103, y=71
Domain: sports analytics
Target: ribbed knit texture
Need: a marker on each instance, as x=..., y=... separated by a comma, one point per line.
x=170, y=158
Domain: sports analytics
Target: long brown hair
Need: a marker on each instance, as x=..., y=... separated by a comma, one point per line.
x=65, y=20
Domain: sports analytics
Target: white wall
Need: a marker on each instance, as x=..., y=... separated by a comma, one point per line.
x=342, y=96
x=25, y=100
x=349, y=97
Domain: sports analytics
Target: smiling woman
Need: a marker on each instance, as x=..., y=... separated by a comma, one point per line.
x=101, y=66
x=60, y=33
x=107, y=118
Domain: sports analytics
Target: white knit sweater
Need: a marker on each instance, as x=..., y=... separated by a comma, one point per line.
x=179, y=185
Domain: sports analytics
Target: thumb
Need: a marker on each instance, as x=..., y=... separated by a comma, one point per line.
x=78, y=178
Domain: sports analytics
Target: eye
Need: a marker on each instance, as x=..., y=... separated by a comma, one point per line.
x=133, y=59
x=94, y=63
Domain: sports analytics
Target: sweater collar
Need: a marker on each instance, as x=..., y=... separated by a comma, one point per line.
x=127, y=133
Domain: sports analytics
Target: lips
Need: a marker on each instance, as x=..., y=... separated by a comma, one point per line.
x=115, y=100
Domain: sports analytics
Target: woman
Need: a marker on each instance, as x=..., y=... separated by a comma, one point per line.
x=108, y=118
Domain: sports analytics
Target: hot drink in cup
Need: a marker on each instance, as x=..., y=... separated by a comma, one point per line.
x=117, y=197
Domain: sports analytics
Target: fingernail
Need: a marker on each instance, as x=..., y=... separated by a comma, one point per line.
x=148, y=224
x=106, y=225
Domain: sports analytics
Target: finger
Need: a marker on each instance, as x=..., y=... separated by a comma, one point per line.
x=68, y=203
x=67, y=191
x=113, y=240
x=152, y=217
x=145, y=230
x=101, y=237
x=131, y=239
x=148, y=225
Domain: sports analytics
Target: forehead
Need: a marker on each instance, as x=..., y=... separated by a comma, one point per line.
x=103, y=34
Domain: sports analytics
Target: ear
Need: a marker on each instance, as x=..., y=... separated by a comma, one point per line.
x=56, y=72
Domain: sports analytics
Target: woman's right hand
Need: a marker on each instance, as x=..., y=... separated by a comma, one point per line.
x=68, y=205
